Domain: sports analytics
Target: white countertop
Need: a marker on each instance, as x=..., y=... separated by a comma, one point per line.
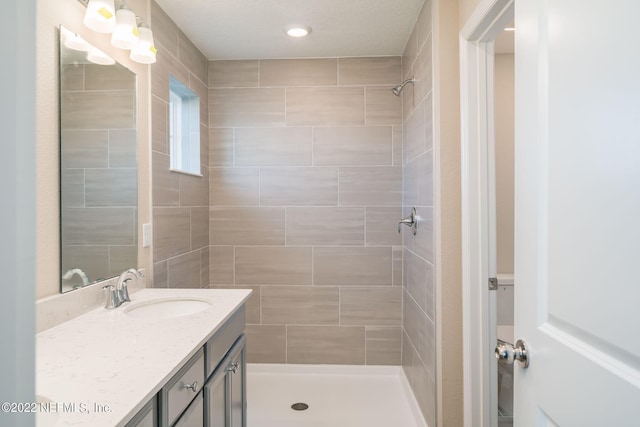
x=107, y=359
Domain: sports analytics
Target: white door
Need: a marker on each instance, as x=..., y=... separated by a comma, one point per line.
x=577, y=213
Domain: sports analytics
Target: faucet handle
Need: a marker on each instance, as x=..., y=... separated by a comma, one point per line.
x=113, y=297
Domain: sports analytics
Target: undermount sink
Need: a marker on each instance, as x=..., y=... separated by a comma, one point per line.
x=167, y=308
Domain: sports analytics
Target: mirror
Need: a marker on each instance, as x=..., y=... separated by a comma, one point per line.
x=98, y=165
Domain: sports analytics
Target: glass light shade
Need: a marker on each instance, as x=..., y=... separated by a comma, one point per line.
x=99, y=57
x=125, y=34
x=100, y=16
x=144, y=51
x=73, y=41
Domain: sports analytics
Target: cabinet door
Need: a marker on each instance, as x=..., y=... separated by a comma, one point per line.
x=194, y=415
x=237, y=382
x=215, y=395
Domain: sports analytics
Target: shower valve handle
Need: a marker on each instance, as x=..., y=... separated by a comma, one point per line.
x=410, y=221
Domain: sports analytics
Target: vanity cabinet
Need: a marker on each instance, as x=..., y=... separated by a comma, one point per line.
x=147, y=416
x=225, y=392
x=210, y=389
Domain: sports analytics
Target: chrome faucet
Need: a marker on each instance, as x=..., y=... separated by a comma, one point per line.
x=119, y=294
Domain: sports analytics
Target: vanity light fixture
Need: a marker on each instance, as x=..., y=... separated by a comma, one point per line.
x=100, y=16
x=125, y=33
x=144, y=51
x=298, y=31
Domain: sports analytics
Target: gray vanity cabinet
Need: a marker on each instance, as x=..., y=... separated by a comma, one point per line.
x=147, y=416
x=225, y=392
x=194, y=415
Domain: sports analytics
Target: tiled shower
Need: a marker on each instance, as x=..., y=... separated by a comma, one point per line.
x=307, y=165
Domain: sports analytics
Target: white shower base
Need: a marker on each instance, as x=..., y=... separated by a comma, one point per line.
x=338, y=396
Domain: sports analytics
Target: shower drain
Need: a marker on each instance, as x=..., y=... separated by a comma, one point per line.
x=299, y=406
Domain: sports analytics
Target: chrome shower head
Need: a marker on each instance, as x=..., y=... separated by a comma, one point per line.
x=398, y=89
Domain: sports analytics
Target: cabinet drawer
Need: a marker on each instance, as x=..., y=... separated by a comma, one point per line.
x=218, y=346
x=176, y=396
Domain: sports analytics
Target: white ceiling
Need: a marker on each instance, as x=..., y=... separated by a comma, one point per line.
x=254, y=29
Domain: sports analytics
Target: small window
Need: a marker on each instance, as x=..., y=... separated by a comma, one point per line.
x=184, y=128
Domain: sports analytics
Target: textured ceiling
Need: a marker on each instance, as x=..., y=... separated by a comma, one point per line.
x=254, y=29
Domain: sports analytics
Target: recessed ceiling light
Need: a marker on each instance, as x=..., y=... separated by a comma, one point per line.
x=510, y=29
x=298, y=31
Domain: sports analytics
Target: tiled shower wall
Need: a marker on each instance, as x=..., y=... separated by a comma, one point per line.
x=305, y=192
x=419, y=340
x=180, y=201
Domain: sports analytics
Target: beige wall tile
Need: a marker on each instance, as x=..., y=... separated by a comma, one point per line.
x=325, y=106
x=184, y=271
x=423, y=26
x=123, y=146
x=418, y=279
x=117, y=226
x=299, y=72
x=221, y=265
x=343, y=345
x=204, y=267
x=71, y=77
x=352, y=145
x=382, y=107
x=300, y=305
x=266, y=343
x=421, y=331
x=159, y=125
x=397, y=145
x=166, y=64
x=247, y=226
x=273, y=146
x=234, y=73
x=94, y=260
x=273, y=265
x=160, y=274
x=192, y=58
x=80, y=111
x=423, y=242
x=421, y=382
x=99, y=77
x=325, y=226
x=247, y=107
x=201, y=89
x=165, y=31
x=72, y=188
x=200, y=228
x=382, y=225
x=204, y=146
x=396, y=255
x=369, y=71
x=418, y=181
x=383, y=345
x=194, y=190
x=356, y=266
x=370, y=185
x=85, y=149
x=299, y=186
x=171, y=232
x=415, y=133
x=234, y=186
x=166, y=184
x=252, y=306
x=221, y=147
x=111, y=187
x=409, y=54
x=380, y=306
x=422, y=69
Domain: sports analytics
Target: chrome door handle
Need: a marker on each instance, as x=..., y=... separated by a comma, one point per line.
x=410, y=221
x=509, y=353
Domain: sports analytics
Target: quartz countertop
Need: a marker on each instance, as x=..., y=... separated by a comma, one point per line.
x=101, y=368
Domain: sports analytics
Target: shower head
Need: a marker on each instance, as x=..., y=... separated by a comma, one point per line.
x=398, y=89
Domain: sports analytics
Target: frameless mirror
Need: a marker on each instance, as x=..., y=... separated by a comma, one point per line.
x=98, y=165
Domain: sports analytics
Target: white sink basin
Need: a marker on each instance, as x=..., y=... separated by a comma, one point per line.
x=167, y=308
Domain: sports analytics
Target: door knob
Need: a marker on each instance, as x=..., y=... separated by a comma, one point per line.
x=509, y=353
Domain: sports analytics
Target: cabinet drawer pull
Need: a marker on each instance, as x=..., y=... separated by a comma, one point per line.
x=233, y=367
x=193, y=386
